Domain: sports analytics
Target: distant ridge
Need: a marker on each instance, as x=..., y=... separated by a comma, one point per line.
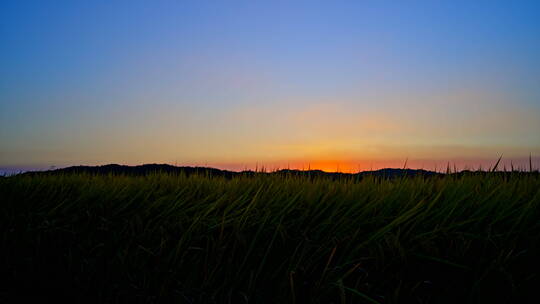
x=146, y=169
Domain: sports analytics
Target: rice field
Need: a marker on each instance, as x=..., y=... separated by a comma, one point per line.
x=469, y=238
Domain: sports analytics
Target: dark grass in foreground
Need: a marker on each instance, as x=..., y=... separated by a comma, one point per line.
x=270, y=239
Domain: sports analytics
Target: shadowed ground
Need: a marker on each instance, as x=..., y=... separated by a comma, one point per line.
x=270, y=238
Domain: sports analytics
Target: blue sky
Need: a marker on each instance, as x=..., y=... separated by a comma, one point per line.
x=232, y=83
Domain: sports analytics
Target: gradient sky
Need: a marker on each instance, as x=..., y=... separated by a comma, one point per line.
x=327, y=84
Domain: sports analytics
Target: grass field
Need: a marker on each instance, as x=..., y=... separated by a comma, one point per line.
x=271, y=239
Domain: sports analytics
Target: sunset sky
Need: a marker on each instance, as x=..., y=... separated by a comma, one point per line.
x=332, y=85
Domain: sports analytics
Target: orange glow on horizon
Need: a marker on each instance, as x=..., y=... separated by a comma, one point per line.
x=351, y=166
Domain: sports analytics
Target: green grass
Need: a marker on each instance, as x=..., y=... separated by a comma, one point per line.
x=271, y=239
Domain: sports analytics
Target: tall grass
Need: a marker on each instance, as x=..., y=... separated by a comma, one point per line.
x=271, y=239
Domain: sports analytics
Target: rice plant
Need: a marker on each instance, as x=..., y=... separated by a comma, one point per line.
x=456, y=238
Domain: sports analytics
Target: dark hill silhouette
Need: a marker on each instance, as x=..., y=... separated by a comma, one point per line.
x=169, y=169
x=147, y=169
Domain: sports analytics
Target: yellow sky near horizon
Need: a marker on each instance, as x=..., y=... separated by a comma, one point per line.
x=320, y=134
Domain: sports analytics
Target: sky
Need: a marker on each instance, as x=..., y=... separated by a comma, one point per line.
x=331, y=85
